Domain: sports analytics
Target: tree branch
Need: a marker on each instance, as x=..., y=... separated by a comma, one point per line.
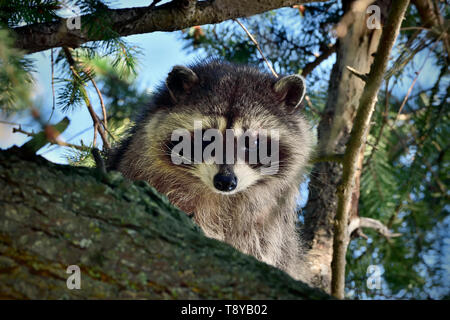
x=309, y=67
x=52, y=139
x=96, y=121
x=417, y=73
x=175, y=15
x=257, y=47
x=128, y=241
x=431, y=17
x=363, y=222
x=357, y=141
x=357, y=73
x=102, y=103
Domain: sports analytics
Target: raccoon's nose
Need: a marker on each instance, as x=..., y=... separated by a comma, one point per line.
x=226, y=182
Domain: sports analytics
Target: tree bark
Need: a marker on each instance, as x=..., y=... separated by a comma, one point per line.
x=354, y=152
x=354, y=49
x=128, y=241
x=175, y=15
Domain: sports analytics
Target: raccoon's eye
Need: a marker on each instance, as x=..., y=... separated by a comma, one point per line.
x=176, y=148
x=260, y=144
x=251, y=144
x=206, y=143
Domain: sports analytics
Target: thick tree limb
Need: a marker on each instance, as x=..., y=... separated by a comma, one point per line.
x=357, y=141
x=128, y=241
x=172, y=16
x=356, y=49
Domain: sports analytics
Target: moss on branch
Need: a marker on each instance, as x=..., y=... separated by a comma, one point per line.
x=128, y=241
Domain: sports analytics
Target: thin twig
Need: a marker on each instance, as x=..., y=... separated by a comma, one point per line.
x=71, y=138
x=52, y=62
x=53, y=141
x=257, y=47
x=100, y=97
x=313, y=65
x=29, y=134
x=153, y=4
x=311, y=106
x=363, y=222
x=415, y=28
x=383, y=125
x=14, y=123
x=414, y=82
x=104, y=122
x=357, y=73
x=97, y=123
x=94, y=140
x=105, y=118
x=309, y=67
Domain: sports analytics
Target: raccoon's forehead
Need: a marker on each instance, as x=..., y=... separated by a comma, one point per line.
x=163, y=121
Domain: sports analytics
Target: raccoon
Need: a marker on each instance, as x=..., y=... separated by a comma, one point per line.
x=232, y=202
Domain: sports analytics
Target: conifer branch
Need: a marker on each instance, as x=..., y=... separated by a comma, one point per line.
x=175, y=15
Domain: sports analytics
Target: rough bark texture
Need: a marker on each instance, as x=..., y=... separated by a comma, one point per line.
x=127, y=239
x=354, y=49
x=357, y=142
x=174, y=15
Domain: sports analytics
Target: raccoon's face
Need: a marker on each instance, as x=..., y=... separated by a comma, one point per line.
x=228, y=130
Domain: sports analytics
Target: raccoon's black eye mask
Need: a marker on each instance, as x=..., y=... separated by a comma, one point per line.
x=250, y=146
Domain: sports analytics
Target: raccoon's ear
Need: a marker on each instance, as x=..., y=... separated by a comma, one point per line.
x=291, y=89
x=180, y=80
